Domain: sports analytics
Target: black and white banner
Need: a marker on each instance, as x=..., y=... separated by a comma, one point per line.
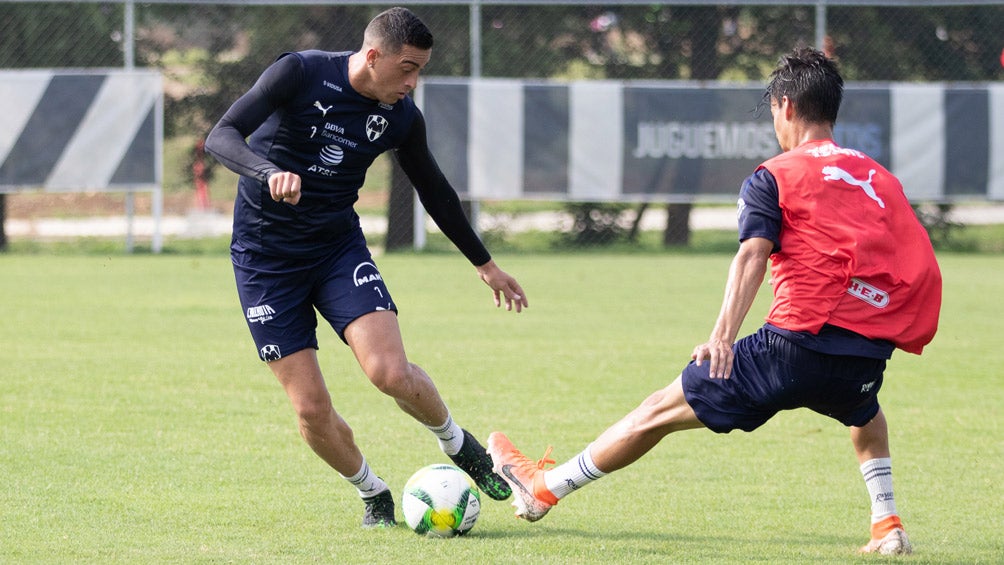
x=680, y=142
x=73, y=131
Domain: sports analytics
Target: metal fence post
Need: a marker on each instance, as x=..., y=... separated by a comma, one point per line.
x=821, y=25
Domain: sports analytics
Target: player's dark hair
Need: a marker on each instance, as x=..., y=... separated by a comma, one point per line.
x=397, y=27
x=811, y=81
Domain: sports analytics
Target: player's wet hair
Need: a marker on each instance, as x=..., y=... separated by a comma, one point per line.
x=811, y=81
x=397, y=27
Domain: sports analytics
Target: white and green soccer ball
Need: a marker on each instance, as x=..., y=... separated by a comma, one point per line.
x=441, y=501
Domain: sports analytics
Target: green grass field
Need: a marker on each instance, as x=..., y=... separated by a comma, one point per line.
x=138, y=426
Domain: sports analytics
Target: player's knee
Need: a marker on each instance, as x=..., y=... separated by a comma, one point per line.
x=314, y=412
x=663, y=412
x=391, y=378
x=655, y=403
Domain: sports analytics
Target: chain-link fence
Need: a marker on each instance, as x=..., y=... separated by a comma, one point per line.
x=210, y=53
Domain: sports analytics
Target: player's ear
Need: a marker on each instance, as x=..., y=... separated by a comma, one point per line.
x=787, y=107
x=372, y=54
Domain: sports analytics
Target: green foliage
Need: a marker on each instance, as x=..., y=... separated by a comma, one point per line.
x=634, y=41
x=139, y=426
x=210, y=54
x=629, y=42
x=942, y=43
x=60, y=35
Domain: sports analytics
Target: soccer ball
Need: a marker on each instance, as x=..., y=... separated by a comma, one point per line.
x=441, y=501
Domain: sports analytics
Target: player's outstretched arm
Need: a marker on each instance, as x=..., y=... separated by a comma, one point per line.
x=504, y=286
x=443, y=205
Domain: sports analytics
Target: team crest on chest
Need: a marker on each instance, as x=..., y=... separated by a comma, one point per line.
x=375, y=126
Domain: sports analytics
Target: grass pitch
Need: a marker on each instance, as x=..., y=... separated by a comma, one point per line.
x=138, y=426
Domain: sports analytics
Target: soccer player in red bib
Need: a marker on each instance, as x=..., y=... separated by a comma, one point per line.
x=302, y=139
x=854, y=277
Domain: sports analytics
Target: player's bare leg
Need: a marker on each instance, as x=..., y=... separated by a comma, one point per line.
x=537, y=490
x=871, y=445
x=663, y=412
x=871, y=441
x=330, y=436
x=376, y=341
x=322, y=428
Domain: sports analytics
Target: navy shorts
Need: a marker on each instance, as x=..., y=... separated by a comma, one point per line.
x=770, y=374
x=279, y=295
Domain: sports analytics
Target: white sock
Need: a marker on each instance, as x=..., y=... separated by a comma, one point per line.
x=572, y=474
x=366, y=482
x=878, y=478
x=450, y=435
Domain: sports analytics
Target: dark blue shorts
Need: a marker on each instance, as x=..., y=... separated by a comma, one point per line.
x=770, y=374
x=279, y=296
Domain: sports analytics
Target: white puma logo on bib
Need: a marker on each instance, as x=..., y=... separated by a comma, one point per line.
x=836, y=173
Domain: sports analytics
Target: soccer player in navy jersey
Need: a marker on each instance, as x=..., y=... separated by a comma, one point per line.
x=854, y=277
x=302, y=139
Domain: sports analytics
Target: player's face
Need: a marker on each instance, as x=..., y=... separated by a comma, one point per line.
x=396, y=74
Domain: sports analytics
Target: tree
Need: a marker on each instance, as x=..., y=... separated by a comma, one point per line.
x=66, y=36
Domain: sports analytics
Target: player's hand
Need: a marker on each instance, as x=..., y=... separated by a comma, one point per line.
x=504, y=286
x=284, y=187
x=720, y=356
